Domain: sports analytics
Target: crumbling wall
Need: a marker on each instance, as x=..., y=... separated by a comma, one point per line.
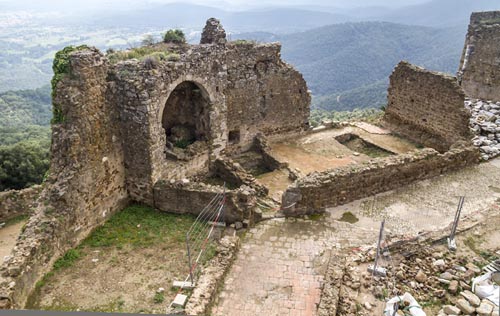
x=15, y=203
x=234, y=174
x=87, y=177
x=264, y=94
x=480, y=62
x=141, y=92
x=320, y=190
x=184, y=197
x=426, y=107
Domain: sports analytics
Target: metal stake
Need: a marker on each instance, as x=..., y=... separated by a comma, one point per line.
x=378, y=247
x=189, y=259
x=452, y=245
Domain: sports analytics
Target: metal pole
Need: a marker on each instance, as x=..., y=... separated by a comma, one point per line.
x=378, y=246
x=457, y=217
x=189, y=259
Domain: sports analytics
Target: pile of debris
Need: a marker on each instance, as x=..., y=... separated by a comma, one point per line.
x=485, y=124
x=435, y=278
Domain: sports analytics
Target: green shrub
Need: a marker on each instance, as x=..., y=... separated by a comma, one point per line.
x=174, y=36
x=61, y=67
x=68, y=259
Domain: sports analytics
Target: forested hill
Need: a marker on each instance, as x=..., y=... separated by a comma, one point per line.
x=24, y=137
x=347, y=65
x=25, y=107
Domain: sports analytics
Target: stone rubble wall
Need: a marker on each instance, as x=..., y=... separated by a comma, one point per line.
x=185, y=197
x=320, y=190
x=480, y=62
x=485, y=124
x=86, y=183
x=212, y=276
x=426, y=107
x=231, y=172
x=15, y=203
x=262, y=146
x=264, y=94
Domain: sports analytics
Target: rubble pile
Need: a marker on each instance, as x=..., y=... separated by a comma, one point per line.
x=434, y=278
x=485, y=124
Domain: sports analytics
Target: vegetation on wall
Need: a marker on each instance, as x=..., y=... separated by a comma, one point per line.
x=144, y=53
x=61, y=67
x=174, y=36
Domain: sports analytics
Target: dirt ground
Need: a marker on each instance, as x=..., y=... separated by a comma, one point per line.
x=321, y=151
x=122, y=275
x=8, y=237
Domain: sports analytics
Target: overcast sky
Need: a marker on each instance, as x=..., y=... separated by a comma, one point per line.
x=56, y=5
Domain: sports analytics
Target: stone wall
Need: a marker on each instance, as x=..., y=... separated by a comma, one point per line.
x=14, y=203
x=264, y=94
x=190, y=198
x=426, y=107
x=321, y=190
x=86, y=183
x=480, y=62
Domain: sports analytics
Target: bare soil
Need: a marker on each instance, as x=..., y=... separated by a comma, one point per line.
x=120, y=268
x=8, y=237
x=321, y=151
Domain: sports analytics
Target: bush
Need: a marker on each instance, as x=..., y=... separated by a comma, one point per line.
x=22, y=165
x=148, y=40
x=174, y=36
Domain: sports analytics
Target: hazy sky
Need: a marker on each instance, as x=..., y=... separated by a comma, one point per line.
x=56, y=5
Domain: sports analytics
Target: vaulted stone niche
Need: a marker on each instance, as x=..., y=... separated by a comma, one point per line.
x=185, y=117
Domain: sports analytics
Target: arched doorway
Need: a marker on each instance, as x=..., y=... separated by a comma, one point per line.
x=185, y=117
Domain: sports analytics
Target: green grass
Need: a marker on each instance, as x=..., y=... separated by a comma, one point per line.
x=15, y=220
x=140, y=226
x=349, y=217
x=68, y=259
x=159, y=297
x=141, y=53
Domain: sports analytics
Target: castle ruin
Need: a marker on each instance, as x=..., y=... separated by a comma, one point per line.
x=158, y=133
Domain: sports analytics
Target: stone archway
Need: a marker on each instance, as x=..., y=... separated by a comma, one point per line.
x=185, y=116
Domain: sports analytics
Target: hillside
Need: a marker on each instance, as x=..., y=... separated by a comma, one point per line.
x=24, y=137
x=347, y=65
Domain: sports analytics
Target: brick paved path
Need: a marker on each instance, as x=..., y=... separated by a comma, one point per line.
x=280, y=268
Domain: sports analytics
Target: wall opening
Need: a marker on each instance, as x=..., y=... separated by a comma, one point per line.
x=185, y=117
x=234, y=137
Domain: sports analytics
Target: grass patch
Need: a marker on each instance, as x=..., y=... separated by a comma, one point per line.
x=159, y=298
x=243, y=42
x=16, y=220
x=68, y=259
x=471, y=242
x=316, y=217
x=142, y=53
x=140, y=226
x=349, y=217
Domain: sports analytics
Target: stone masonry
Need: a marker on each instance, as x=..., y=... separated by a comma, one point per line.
x=480, y=63
x=126, y=128
x=426, y=107
x=14, y=203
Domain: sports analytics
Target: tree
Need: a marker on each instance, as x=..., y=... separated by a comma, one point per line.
x=22, y=165
x=148, y=40
x=174, y=36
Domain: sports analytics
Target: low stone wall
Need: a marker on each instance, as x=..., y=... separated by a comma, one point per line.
x=184, y=197
x=262, y=146
x=212, y=276
x=233, y=173
x=426, y=107
x=318, y=191
x=14, y=203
